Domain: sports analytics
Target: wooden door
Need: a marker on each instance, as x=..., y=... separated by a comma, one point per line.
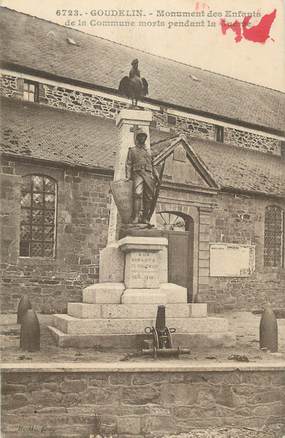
x=180, y=259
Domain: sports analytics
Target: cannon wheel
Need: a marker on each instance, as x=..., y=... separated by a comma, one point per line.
x=169, y=338
x=155, y=338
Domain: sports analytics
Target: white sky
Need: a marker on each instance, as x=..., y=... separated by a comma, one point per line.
x=204, y=47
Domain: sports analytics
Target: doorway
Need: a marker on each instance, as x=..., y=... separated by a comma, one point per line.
x=178, y=228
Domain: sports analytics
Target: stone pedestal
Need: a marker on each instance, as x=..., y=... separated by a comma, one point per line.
x=111, y=266
x=142, y=269
x=115, y=312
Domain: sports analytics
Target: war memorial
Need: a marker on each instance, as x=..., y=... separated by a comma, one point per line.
x=142, y=243
x=133, y=269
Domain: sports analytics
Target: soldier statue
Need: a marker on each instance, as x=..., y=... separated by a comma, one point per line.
x=145, y=177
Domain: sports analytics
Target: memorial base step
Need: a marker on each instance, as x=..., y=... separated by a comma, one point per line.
x=117, y=293
x=135, y=311
x=134, y=342
x=109, y=326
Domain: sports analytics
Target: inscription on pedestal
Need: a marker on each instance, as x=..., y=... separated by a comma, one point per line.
x=142, y=270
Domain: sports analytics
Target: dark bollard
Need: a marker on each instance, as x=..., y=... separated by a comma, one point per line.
x=268, y=330
x=160, y=319
x=23, y=306
x=30, y=332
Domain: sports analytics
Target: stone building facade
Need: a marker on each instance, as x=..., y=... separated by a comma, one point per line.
x=223, y=182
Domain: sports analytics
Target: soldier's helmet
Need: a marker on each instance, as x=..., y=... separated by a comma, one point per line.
x=140, y=132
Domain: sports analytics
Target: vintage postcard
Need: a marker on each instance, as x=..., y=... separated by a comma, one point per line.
x=142, y=218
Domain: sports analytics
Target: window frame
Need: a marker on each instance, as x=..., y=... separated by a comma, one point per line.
x=171, y=120
x=168, y=220
x=280, y=263
x=35, y=94
x=30, y=208
x=220, y=134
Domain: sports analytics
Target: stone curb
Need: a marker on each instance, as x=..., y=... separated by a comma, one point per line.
x=118, y=367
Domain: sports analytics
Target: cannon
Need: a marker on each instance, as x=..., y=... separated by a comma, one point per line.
x=268, y=330
x=159, y=341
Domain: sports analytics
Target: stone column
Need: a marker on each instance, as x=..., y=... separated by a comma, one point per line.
x=127, y=121
x=204, y=250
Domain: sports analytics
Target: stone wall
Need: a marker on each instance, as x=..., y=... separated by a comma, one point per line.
x=186, y=125
x=229, y=218
x=82, y=225
x=129, y=403
x=71, y=100
x=249, y=140
x=240, y=219
x=97, y=105
x=9, y=86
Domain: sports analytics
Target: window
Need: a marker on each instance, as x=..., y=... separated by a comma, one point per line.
x=38, y=216
x=170, y=221
x=220, y=134
x=274, y=236
x=171, y=120
x=30, y=91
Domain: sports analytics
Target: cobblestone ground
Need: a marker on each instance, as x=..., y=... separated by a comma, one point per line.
x=244, y=324
x=273, y=432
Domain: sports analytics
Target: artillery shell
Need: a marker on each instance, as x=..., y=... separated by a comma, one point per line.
x=23, y=306
x=268, y=330
x=30, y=332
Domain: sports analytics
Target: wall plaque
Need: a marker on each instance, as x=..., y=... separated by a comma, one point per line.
x=231, y=260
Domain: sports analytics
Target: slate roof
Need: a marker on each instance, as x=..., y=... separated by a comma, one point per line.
x=38, y=131
x=41, y=45
x=33, y=130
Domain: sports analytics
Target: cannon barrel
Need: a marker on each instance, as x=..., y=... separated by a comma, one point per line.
x=160, y=319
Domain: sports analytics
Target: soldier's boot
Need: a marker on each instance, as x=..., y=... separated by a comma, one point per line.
x=137, y=210
x=146, y=211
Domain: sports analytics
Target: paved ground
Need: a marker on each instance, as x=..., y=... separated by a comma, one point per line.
x=272, y=432
x=244, y=324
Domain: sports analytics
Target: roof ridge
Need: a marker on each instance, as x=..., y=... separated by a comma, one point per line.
x=165, y=139
x=143, y=51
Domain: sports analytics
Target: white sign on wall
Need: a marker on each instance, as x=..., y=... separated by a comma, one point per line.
x=231, y=260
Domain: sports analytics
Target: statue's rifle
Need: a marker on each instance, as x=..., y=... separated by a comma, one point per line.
x=157, y=189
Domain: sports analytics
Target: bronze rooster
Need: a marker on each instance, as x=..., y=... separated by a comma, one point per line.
x=133, y=86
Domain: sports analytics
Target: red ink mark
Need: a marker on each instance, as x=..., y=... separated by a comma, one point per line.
x=260, y=32
x=199, y=5
x=236, y=28
x=257, y=34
